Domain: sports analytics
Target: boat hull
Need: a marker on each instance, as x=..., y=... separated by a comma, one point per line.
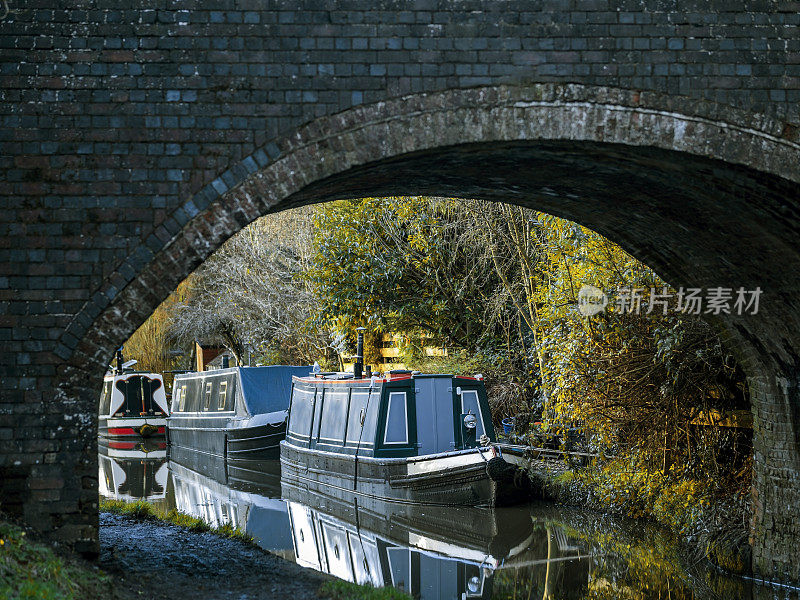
x=453, y=478
x=131, y=428
x=218, y=438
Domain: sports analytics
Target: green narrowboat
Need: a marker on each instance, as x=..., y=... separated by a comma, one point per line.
x=408, y=437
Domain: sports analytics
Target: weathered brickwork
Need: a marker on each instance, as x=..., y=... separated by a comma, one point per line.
x=137, y=137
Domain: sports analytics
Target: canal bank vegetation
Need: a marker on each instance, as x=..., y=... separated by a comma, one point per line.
x=638, y=391
x=645, y=385
x=29, y=569
x=343, y=590
x=143, y=510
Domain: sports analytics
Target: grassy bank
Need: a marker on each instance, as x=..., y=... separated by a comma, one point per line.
x=342, y=590
x=146, y=511
x=29, y=569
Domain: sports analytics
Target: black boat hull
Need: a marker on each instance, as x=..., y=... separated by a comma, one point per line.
x=217, y=438
x=453, y=479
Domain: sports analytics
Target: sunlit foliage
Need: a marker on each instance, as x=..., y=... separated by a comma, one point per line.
x=400, y=264
x=634, y=382
x=152, y=345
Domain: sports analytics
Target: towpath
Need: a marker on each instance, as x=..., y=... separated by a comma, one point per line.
x=156, y=560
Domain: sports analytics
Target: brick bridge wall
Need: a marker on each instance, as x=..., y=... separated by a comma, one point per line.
x=137, y=138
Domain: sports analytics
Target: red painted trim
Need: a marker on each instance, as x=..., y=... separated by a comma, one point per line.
x=403, y=377
x=121, y=431
x=321, y=380
x=122, y=445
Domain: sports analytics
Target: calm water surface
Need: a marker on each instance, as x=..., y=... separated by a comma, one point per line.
x=449, y=553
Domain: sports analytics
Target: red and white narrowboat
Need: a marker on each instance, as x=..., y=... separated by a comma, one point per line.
x=133, y=406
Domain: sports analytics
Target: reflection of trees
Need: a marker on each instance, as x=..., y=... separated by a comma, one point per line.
x=632, y=560
x=635, y=564
x=550, y=567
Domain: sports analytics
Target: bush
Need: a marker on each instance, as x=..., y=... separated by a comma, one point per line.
x=32, y=570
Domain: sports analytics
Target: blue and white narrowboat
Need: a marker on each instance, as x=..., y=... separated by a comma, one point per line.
x=237, y=413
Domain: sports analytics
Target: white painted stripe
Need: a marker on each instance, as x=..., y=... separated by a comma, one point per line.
x=439, y=464
x=133, y=422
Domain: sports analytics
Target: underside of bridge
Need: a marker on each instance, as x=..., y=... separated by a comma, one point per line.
x=703, y=202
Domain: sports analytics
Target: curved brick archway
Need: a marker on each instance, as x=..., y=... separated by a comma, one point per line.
x=704, y=194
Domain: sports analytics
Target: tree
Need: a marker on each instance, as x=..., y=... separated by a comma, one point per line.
x=152, y=344
x=636, y=381
x=403, y=264
x=250, y=295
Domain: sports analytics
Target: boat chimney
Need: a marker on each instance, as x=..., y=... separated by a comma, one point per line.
x=120, y=368
x=358, y=364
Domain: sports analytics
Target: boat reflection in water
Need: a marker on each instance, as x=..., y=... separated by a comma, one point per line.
x=133, y=473
x=428, y=551
x=251, y=504
x=431, y=552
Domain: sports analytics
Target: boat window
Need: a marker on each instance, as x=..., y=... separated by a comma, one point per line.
x=470, y=403
x=208, y=396
x=301, y=410
x=223, y=395
x=396, y=419
x=182, y=398
x=358, y=411
x=334, y=415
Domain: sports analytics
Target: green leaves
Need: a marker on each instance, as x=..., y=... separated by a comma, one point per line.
x=400, y=264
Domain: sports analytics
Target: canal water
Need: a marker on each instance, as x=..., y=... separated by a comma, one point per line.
x=433, y=552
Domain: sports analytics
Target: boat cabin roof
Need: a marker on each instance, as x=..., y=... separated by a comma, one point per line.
x=262, y=390
x=347, y=377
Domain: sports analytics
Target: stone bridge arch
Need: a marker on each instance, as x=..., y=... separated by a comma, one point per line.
x=705, y=194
